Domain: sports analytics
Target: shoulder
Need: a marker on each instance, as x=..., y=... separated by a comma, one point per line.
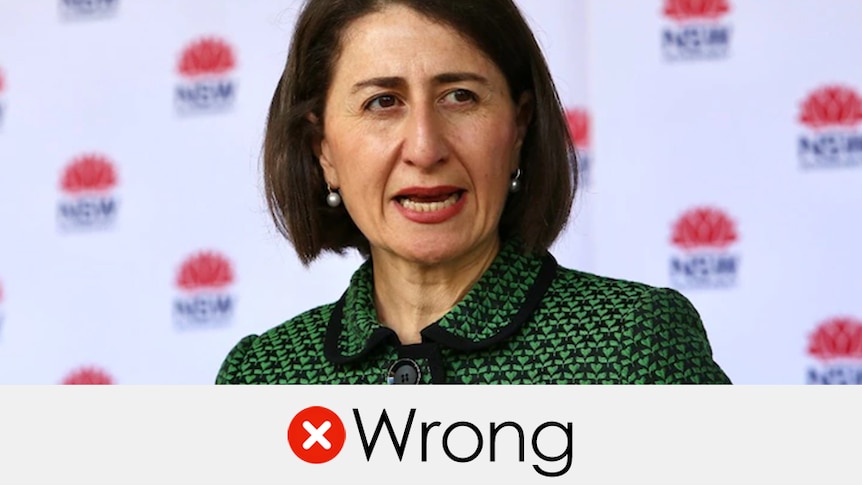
x=659, y=332
x=611, y=303
x=590, y=291
x=258, y=358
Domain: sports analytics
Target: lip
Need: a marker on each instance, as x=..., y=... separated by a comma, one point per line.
x=428, y=191
x=433, y=217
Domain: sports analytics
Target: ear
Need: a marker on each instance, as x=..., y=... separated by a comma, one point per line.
x=323, y=154
x=330, y=170
x=523, y=115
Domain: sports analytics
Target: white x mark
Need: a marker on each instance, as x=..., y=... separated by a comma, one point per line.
x=315, y=435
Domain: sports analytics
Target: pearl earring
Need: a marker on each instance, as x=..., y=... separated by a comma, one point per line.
x=333, y=199
x=515, y=184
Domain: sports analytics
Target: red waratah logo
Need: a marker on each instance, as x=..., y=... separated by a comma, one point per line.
x=207, y=56
x=579, y=127
x=88, y=376
x=205, y=300
x=681, y=10
x=704, y=227
x=838, y=338
x=89, y=173
x=205, y=270
x=831, y=106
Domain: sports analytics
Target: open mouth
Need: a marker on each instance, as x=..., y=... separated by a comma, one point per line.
x=429, y=203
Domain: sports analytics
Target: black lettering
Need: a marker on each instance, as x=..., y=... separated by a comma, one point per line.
x=384, y=420
x=425, y=428
x=493, y=439
x=567, y=453
x=446, y=442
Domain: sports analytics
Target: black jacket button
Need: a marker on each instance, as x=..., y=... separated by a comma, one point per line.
x=404, y=371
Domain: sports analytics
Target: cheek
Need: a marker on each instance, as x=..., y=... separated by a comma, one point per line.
x=360, y=155
x=363, y=184
x=500, y=152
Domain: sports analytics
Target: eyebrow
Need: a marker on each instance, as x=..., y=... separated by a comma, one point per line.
x=397, y=82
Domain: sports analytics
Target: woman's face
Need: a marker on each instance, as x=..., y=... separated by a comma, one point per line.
x=421, y=137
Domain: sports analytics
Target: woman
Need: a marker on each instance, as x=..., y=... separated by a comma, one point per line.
x=428, y=135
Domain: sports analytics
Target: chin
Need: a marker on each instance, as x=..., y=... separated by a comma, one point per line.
x=452, y=249
x=431, y=256
x=433, y=252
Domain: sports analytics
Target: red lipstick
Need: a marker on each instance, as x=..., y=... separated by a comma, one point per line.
x=430, y=205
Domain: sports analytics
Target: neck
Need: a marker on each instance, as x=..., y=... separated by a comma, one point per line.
x=410, y=296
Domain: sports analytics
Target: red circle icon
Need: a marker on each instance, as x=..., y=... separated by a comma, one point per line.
x=316, y=434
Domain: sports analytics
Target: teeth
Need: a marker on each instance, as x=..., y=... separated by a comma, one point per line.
x=428, y=206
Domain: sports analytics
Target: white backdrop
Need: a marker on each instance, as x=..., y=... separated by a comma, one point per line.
x=723, y=149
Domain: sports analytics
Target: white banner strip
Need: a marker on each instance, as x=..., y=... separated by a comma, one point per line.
x=263, y=435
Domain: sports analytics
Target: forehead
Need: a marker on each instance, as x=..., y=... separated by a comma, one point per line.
x=400, y=41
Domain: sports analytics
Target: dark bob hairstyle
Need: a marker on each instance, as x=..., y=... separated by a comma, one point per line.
x=294, y=184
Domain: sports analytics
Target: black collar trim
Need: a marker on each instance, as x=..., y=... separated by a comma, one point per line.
x=534, y=296
x=435, y=332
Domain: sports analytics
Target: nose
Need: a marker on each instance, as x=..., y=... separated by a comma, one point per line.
x=424, y=137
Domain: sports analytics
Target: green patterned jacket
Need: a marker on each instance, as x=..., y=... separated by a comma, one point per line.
x=526, y=321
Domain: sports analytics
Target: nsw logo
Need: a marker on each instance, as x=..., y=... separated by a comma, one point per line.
x=88, y=375
x=695, y=30
x=206, y=85
x=87, y=9
x=702, y=237
x=836, y=347
x=579, y=128
x=830, y=115
x=87, y=199
x=205, y=300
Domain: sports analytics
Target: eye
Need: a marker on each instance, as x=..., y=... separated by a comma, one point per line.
x=381, y=102
x=460, y=96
